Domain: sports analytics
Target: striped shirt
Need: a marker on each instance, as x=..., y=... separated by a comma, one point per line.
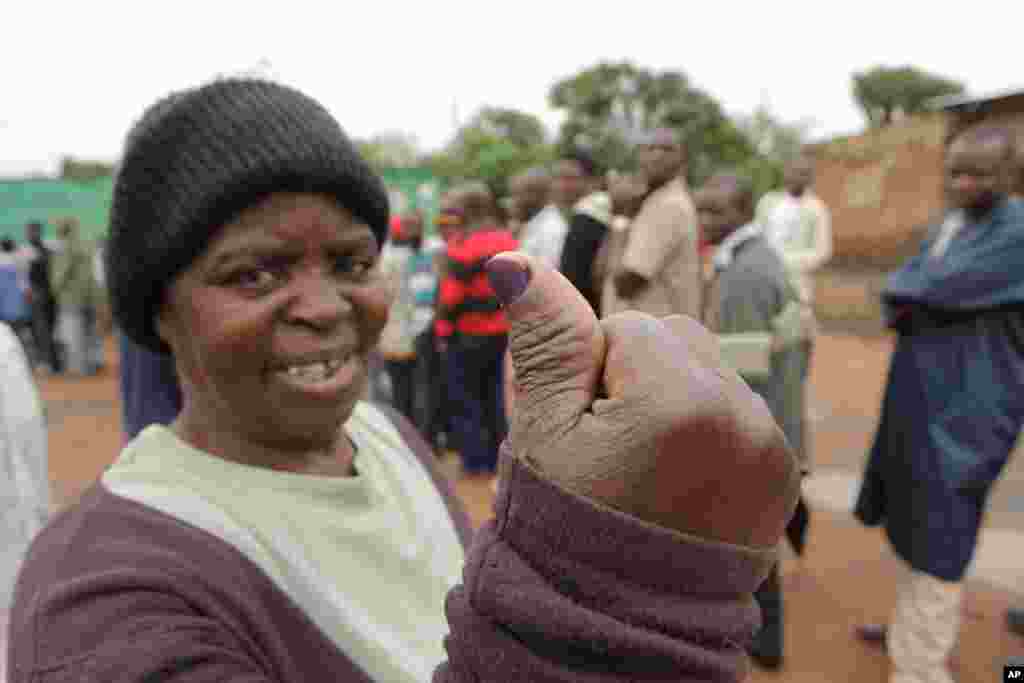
x=469, y=305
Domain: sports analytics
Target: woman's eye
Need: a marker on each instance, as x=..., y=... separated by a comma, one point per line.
x=357, y=267
x=254, y=278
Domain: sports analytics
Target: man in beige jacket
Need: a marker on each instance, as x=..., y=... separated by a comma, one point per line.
x=654, y=262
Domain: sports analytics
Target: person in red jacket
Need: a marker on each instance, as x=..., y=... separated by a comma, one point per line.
x=471, y=320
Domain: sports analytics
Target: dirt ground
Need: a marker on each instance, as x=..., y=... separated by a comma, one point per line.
x=847, y=576
x=847, y=378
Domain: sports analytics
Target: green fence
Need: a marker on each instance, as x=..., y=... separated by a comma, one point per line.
x=414, y=188
x=47, y=200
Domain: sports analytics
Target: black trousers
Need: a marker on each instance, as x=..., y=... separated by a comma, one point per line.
x=477, y=401
x=402, y=374
x=44, y=327
x=769, y=598
x=429, y=388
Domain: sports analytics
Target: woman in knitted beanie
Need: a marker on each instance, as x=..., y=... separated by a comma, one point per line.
x=281, y=529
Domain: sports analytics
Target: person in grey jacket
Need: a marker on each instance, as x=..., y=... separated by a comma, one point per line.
x=750, y=300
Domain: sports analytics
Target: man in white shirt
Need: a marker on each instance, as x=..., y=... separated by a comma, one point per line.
x=798, y=224
x=544, y=227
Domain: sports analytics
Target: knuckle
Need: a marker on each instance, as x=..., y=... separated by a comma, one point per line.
x=539, y=428
x=550, y=357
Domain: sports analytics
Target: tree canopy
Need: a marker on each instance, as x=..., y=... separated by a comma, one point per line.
x=884, y=93
x=390, y=149
x=607, y=105
x=494, y=145
x=84, y=171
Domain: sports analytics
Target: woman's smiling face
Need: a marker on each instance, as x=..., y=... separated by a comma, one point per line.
x=272, y=325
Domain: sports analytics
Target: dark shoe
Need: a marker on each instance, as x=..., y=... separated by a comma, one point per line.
x=767, y=661
x=875, y=634
x=1015, y=620
x=766, y=649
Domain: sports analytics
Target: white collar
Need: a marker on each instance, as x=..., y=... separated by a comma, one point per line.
x=726, y=250
x=549, y=212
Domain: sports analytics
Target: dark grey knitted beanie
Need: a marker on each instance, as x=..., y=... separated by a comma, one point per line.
x=199, y=157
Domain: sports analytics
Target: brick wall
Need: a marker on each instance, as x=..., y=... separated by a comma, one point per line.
x=882, y=188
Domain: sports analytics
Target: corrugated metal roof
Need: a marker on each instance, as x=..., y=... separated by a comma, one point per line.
x=947, y=102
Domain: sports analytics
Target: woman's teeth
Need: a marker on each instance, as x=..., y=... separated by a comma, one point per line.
x=314, y=372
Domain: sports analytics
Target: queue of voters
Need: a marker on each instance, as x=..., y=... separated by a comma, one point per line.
x=573, y=342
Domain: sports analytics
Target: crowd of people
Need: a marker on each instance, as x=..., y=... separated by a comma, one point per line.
x=52, y=297
x=578, y=337
x=638, y=242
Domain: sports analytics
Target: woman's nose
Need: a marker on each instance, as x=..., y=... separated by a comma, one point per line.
x=320, y=302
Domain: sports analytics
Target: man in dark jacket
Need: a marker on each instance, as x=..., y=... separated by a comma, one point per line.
x=953, y=406
x=43, y=303
x=589, y=220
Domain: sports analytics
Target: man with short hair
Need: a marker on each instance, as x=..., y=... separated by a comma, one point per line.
x=589, y=221
x=655, y=266
x=470, y=317
x=953, y=405
x=543, y=228
x=749, y=303
x=434, y=375
x=43, y=303
x=569, y=183
x=413, y=285
x=78, y=297
x=799, y=225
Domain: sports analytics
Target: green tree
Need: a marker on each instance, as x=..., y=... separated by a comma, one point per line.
x=84, y=171
x=772, y=137
x=494, y=145
x=775, y=143
x=519, y=128
x=882, y=93
x=390, y=149
x=608, y=104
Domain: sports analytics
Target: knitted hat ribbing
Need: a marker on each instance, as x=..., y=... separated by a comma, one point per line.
x=199, y=157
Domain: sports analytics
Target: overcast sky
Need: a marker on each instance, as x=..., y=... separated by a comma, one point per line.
x=77, y=74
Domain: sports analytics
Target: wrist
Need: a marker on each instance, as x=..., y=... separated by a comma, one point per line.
x=533, y=510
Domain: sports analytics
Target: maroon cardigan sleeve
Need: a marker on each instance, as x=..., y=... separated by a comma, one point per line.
x=557, y=588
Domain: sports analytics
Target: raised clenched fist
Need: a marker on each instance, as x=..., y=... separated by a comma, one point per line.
x=638, y=413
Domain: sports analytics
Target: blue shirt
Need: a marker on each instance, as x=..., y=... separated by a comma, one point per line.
x=150, y=393
x=13, y=306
